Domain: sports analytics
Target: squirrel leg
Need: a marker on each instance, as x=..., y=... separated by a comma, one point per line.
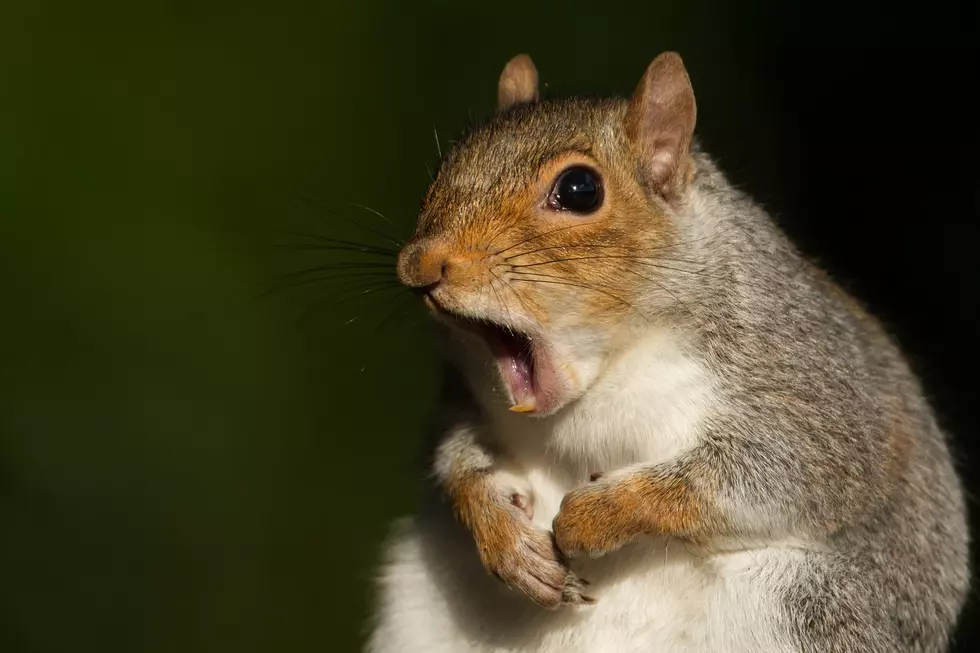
x=616, y=508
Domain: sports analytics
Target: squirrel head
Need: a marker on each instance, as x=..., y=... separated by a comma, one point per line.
x=538, y=240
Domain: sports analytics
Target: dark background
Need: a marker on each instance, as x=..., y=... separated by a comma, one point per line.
x=187, y=467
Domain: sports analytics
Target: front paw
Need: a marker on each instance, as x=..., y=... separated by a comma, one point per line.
x=525, y=558
x=598, y=518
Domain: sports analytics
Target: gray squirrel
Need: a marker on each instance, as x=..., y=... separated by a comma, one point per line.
x=663, y=429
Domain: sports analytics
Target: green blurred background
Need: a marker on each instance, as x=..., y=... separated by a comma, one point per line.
x=186, y=466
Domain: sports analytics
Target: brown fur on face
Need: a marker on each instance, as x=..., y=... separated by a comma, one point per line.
x=486, y=225
x=491, y=247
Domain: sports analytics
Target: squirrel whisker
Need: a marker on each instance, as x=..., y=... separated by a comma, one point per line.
x=335, y=248
x=362, y=291
x=587, y=287
x=510, y=287
x=541, y=235
x=381, y=215
x=346, y=265
x=637, y=259
x=334, y=242
x=590, y=246
x=377, y=232
x=399, y=307
x=634, y=272
x=337, y=274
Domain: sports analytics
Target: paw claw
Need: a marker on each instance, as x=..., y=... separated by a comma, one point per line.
x=572, y=591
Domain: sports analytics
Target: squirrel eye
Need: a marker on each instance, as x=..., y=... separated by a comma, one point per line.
x=577, y=189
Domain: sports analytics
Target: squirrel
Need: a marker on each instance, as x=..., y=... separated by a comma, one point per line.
x=663, y=427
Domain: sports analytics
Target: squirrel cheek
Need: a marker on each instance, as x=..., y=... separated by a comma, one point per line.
x=580, y=373
x=568, y=369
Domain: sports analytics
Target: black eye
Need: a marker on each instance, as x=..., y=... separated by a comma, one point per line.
x=577, y=189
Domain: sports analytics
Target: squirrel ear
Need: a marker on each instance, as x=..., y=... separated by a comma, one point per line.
x=660, y=122
x=518, y=83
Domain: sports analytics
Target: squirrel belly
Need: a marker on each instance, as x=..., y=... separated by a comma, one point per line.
x=653, y=594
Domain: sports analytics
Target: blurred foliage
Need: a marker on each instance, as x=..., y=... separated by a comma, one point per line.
x=185, y=466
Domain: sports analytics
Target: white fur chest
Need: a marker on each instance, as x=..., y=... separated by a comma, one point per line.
x=654, y=595
x=644, y=409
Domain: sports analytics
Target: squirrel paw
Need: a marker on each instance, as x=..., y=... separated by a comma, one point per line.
x=525, y=558
x=596, y=519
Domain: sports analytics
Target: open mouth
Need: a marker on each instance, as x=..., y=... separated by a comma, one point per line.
x=514, y=353
x=525, y=361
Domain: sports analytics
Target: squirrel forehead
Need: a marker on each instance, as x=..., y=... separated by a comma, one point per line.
x=497, y=159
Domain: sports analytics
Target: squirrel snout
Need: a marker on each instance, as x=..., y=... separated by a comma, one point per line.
x=422, y=266
x=425, y=264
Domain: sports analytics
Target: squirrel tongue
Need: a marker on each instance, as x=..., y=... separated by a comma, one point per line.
x=519, y=377
x=516, y=363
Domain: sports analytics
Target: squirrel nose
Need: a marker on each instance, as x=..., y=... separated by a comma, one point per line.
x=421, y=266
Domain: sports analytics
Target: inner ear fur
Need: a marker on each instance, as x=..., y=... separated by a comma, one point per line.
x=518, y=83
x=660, y=122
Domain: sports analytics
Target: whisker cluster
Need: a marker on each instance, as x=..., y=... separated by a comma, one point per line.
x=663, y=258
x=351, y=270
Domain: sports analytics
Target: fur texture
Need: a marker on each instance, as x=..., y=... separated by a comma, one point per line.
x=729, y=454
